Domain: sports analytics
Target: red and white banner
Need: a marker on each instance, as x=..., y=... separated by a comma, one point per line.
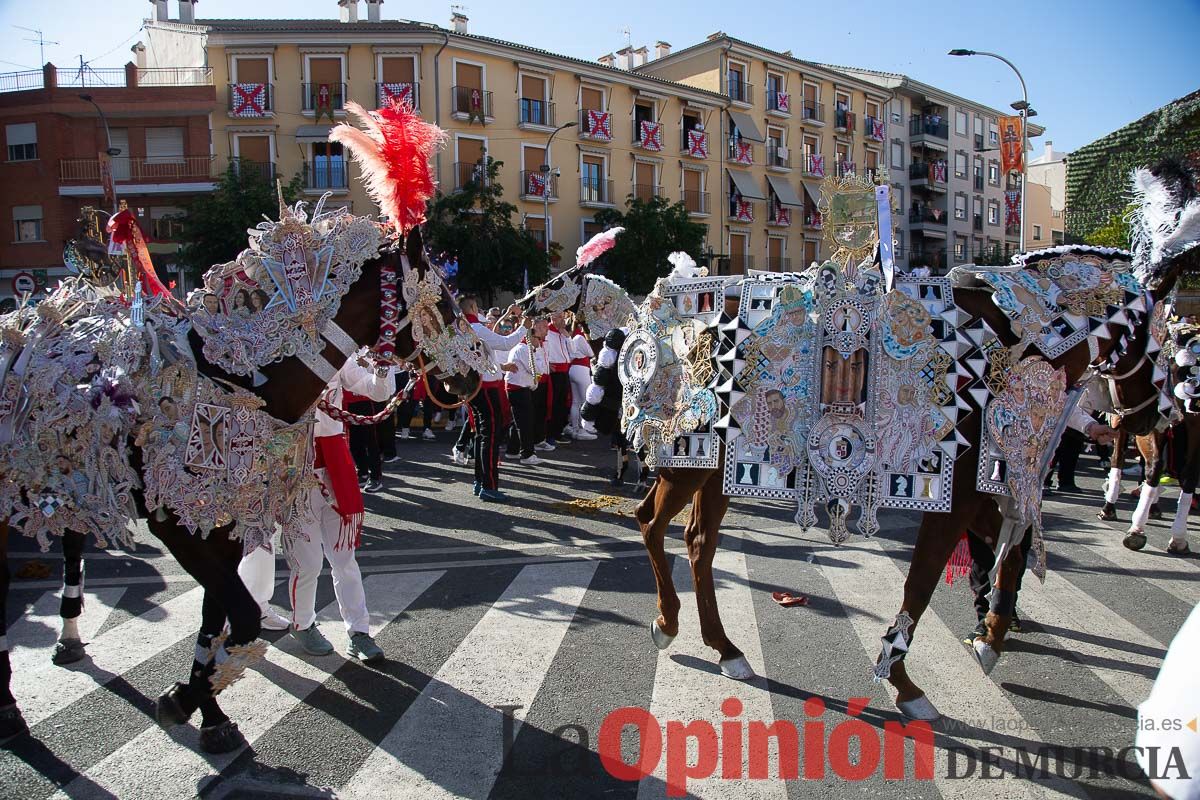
x=535, y=184
x=395, y=93
x=599, y=124
x=743, y=210
x=650, y=136
x=697, y=142
x=1012, y=209
x=1011, y=157
x=878, y=131
x=816, y=165
x=937, y=171
x=783, y=216
x=106, y=180
x=783, y=102
x=249, y=100
x=743, y=152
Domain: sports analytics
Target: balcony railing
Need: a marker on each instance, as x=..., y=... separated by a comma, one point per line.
x=843, y=120
x=979, y=183
x=779, y=264
x=779, y=216
x=844, y=168
x=403, y=92
x=741, y=151
x=596, y=192
x=1012, y=230
x=648, y=135
x=931, y=171
x=813, y=220
x=694, y=143
x=533, y=111
x=595, y=124
x=740, y=208
x=326, y=175
x=469, y=172
x=251, y=100
x=814, y=165
x=174, y=76
x=811, y=111
x=248, y=168
x=539, y=185
x=870, y=173
x=696, y=202
x=180, y=168
x=925, y=215
x=928, y=125
x=779, y=101
x=934, y=259
x=739, y=91
x=778, y=156
x=977, y=222
x=646, y=192
x=735, y=264
x=979, y=141
x=472, y=101
x=321, y=96
x=874, y=128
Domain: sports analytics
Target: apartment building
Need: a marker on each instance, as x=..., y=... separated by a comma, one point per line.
x=1047, y=199
x=154, y=133
x=282, y=84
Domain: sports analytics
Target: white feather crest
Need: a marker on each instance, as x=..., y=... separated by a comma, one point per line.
x=684, y=266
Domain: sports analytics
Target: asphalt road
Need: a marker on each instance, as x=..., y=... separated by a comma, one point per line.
x=513, y=633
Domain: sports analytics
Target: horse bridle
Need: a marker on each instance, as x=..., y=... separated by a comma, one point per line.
x=1113, y=379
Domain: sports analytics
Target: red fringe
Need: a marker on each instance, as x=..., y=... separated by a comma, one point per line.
x=959, y=564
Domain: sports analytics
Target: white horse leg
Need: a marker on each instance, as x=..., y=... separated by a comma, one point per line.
x=70, y=646
x=1179, y=524
x=1135, y=539
x=1112, y=487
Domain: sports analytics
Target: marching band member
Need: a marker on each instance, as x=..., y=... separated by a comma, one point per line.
x=580, y=375
x=526, y=383
x=558, y=353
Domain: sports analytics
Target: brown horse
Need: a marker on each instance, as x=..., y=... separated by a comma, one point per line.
x=289, y=391
x=971, y=511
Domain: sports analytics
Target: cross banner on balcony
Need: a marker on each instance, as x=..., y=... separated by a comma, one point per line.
x=249, y=100
x=697, y=144
x=817, y=165
x=396, y=93
x=848, y=167
x=1012, y=208
x=599, y=124
x=535, y=184
x=743, y=210
x=475, y=107
x=650, y=136
x=877, y=130
x=937, y=171
x=783, y=216
x=324, y=102
x=783, y=102
x=744, y=152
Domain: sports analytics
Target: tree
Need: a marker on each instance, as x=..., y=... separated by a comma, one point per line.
x=475, y=225
x=654, y=229
x=214, y=230
x=1114, y=233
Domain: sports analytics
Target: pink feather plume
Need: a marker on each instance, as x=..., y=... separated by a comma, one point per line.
x=597, y=246
x=393, y=149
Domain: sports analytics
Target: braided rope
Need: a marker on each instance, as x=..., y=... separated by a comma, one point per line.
x=346, y=417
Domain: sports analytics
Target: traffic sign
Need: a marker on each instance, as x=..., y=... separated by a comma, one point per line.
x=24, y=282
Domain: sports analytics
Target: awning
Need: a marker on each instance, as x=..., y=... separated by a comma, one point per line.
x=313, y=133
x=784, y=191
x=746, y=187
x=746, y=126
x=812, y=194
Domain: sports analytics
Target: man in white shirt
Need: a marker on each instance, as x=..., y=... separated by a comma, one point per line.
x=558, y=353
x=580, y=375
x=526, y=383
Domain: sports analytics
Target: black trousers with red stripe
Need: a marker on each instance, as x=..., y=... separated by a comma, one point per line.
x=488, y=413
x=560, y=404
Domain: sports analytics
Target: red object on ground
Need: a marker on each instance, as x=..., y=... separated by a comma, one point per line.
x=787, y=599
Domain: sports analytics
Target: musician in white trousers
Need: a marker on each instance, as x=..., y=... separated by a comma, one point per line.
x=580, y=375
x=332, y=529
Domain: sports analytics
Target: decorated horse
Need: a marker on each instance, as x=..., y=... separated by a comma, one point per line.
x=116, y=406
x=848, y=388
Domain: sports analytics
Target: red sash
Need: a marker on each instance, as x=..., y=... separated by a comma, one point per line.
x=333, y=453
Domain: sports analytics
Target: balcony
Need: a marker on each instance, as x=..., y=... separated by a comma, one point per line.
x=598, y=193
x=648, y=135
x=921, y=126
x=326, y=176
x=934, y=259
x=978, y=142
x=874, y=128
x=535, y=186
x=251, y=100
x=778, y=157
x=173, y=76
x=977, y=222
x=927, y=215
x=844, y=169
x=407, y=93
x=739, y=91
x=812, y=112
x=979, y=183
x=843, y=121
x=472, y=103
x=779, y=264
x=871, y=173
x=320, y=97
x=696, y=202
x=694, y=143
x=928, y=174
x=779, y=102
x=534, y=113
x=138, y=170
x=778, y=216
x=741, y=151
x=1012, y=230
x=646, y=192
x=735, y=264
x=249, y=169
x=813, y=221
x=814, y=165
x=469, y=173
x=595, y=125
x=740, y=209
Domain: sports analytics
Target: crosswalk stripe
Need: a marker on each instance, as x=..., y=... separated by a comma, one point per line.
x=688, y=686
x=112, y=653
x=866, y=579
x=257, y=702
x=33, y=636
x=450, y=741
x=1175, y=576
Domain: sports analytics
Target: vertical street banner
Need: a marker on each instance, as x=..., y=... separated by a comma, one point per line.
x=1012, y=156
x=106, y=180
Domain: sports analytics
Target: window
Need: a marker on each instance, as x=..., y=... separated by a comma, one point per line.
x=872, y=109
x=898, y=195
x=164, y=145
x=960, y=248
x=166, y=222
x=1037, y=233
x=898, y=155
x=534, y=108
x=842, y=101
x=993, y=173
x=736, y=85
x=897, y=112
x=960, y=164
x=960, y=206
x=592, y=184
x=811, y=251
x=993, y=133
x=22, y=141
x=27, y=224
x=979, y=126
x=775, y=87
x=328, y=166
x=993, y=212
x=960, y=123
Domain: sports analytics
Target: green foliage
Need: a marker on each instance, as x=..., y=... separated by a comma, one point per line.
x=992, y=257
x=1114, y=233
x=214, y=230
x=653, y=230
x=475, y=225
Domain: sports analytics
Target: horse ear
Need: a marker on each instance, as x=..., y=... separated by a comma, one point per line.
x=414, y=246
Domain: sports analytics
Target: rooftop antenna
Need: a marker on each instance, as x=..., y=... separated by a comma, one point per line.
x=458, y=8
x=628, y=36
x=41, y=43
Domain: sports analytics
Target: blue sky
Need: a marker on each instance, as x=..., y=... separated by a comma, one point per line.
x=1091, y=65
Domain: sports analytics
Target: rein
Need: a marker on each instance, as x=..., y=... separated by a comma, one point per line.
x=424, y=371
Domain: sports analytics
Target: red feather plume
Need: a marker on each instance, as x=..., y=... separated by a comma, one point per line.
x=393, y=149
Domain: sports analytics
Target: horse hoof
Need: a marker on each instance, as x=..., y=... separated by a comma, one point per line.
x=661, y=639
x=12, y=724
x=1178, y=548
x=68, y=651
x=919, y=708
x=168, y=710
x=986, y=655
x=1134, y=540
x=737, y=668
x=222, y=738
x=1108, y=513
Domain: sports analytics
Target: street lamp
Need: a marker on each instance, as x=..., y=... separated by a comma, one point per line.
x=545, y=170
x=112, y=152
x=1026, y=112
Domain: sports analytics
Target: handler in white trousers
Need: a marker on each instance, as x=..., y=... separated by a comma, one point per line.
x=580, y=375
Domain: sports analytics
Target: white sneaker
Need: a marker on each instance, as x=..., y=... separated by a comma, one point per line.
x=405, y=434
x=569, y=431
x=428, y=435
x=545, y=447
x=449, y=425
x=583, y=436
x=272, y=620
x=531, y=461
x=458, y=457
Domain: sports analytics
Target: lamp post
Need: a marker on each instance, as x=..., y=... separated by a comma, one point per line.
x=546, y=175
x=112, y=152
x=1023, y=107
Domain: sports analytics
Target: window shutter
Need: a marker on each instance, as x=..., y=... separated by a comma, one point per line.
x=164, y=145
x=21, y=133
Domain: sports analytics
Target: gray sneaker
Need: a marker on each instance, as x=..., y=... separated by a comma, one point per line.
x=313, y=641
x=363, y=647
